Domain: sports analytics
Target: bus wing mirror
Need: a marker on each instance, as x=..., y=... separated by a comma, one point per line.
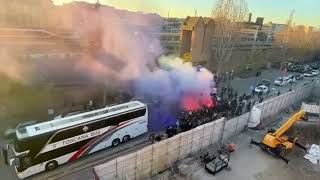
x=12, y=162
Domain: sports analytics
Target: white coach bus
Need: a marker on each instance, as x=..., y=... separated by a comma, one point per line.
x=44, y=146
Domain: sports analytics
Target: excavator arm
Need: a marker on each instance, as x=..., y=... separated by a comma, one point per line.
x=287, y=125
x=274, y=142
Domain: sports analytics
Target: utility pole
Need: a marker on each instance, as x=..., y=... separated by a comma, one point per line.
x=289, y=23
x=254, y=42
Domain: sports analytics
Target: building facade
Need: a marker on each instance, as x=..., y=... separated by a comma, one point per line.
x=196, y=39
x=170, y=35
x=26, y=13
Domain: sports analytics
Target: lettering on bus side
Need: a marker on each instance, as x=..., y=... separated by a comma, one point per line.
x=74, y=139
x=95, y=133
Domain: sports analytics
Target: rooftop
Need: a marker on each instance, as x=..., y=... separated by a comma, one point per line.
x=191, y=22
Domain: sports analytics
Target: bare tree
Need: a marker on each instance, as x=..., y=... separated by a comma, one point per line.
x=228, y=17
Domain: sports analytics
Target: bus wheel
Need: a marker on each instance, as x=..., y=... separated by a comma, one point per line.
x=116, y=142
x=51, y=165
x=125, y=138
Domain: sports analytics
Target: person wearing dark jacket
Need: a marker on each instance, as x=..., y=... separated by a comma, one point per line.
x=253, y=93
x=248, y=106
x=261, y=100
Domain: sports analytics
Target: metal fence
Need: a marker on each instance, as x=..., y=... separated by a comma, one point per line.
x=235, y=126
x=160, y=156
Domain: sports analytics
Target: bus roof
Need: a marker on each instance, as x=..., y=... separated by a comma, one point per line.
x=61, y=123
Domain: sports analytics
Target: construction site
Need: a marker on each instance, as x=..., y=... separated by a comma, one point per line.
x=278, y=139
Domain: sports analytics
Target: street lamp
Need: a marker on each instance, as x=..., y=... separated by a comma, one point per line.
x=229, y=77
x=255, y=39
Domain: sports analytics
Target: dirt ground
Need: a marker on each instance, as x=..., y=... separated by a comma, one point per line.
x=249, y=162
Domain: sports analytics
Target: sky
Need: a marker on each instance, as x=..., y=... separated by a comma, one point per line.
x=307, y=12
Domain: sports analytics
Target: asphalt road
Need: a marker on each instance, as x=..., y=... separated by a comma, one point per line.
x=243, y=85
x=82, y=169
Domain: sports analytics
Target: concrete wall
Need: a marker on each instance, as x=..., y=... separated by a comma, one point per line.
x=200, y=42
x=197, y=42
x=207, y=39
x=185, y=42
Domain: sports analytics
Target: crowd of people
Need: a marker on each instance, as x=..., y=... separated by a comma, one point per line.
x=228, y=103
x=225, y=106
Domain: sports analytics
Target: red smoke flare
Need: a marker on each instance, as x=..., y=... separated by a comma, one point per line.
x=193, y=102
x=190, y=103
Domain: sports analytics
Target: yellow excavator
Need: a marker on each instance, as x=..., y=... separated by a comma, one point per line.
x=277, y=143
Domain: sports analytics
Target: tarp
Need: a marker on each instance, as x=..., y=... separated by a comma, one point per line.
x=313, y=109
x=313, y=154
x=255, y=116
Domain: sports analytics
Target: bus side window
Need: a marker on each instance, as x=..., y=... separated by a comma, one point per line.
x=132, y=115
x=97, y=125
x=136, y=114
x=142, y=112
x=66, y=134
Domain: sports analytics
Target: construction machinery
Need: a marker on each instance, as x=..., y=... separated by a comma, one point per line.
x=217, y=161
x=277, y=143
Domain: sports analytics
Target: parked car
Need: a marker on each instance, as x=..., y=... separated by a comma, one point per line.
x=306, y=66
x=263, y=89
x=296, y=68
x=299, y=76
x=282, y=81
x=314, y=66
x=264, y=82
x=292, y=69
x=300, y=70
x=292, y=78
x=315, y=72
x=308, y=74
